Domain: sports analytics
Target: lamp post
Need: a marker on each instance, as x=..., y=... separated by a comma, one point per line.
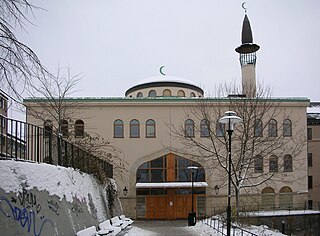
x=231, y=119
x=192, y=215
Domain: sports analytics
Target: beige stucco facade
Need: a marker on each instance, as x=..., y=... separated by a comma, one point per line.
x=99, y=116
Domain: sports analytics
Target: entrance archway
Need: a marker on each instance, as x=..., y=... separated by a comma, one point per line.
x=163, y=188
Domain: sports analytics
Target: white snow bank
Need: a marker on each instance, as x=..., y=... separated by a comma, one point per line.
x=282, y=213
x=56, y=180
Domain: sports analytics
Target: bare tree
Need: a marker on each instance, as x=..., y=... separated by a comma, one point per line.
x=254, y=140
x=19, y=64
x=50, y=102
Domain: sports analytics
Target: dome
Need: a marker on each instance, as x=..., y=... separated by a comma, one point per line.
x=162, y=82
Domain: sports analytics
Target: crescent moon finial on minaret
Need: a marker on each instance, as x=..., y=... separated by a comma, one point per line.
x=160, y=70
x=243, y=6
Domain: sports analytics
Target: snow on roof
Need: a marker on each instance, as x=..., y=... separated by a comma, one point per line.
x=164, y=78
x=172, y=185
x=313, y=109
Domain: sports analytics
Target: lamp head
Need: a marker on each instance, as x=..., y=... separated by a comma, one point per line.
x=230, y=118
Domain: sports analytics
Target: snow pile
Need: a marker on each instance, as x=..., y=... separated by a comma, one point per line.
x=56, y=180
x=282, y=213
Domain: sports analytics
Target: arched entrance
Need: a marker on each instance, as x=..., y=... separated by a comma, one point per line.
x=163, y=188
x=285, y=198
x=268, y=198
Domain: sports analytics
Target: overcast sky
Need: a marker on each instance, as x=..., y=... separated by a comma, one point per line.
x=116, y=43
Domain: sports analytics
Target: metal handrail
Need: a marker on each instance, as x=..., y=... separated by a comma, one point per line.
x=219, y=226
x=22, y=141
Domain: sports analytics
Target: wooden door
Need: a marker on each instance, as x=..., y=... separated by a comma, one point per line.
x=183, y=205
x=157, y=207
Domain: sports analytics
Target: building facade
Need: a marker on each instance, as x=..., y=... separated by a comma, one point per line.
x=313, y=118
x=165, y=124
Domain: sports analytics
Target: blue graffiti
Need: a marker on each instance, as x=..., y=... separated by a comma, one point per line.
x=24, y=216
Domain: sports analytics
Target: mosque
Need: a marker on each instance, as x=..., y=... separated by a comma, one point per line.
x=145, y=126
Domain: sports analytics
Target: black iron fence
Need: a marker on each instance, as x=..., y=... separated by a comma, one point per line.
x=22, y=141
x=221, y=226
x=257, y=208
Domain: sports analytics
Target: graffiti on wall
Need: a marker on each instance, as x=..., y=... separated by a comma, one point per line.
x=28, y=200
x=54, y=206
x=26, y=217
x=76, y=208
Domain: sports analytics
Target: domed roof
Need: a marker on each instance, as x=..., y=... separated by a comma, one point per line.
x=164, y=81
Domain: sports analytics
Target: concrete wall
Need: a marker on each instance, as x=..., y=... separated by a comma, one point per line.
x=26, y=210
x=34, y=212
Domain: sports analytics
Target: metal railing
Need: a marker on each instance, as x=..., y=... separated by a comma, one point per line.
x=221, y=227
x=256, y=208
x=23, y=141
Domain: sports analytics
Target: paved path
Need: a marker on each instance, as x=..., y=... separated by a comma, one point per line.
x=163, y=228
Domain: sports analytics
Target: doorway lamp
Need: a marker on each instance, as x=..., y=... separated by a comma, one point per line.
x=231, y=119
x=125, y=191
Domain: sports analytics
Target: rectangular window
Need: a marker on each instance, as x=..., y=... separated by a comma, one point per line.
x=3, y=122
x=310, y=204
x=309, y=159
x=310, y=182
x=309, y=133
x=258, y=164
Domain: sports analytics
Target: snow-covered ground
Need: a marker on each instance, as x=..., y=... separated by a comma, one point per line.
x=202, y=229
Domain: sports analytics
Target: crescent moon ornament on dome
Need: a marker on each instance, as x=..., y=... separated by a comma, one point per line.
x=160, y=70
x=243, y=6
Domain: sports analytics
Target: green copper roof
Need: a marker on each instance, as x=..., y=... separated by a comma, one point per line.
x=164, y=99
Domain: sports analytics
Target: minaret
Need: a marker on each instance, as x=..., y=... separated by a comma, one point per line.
x=247, y=51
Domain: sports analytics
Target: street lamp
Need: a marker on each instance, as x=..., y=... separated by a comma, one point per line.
x=192, y=215
x=231, y=119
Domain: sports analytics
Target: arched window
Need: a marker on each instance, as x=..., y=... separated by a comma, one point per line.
x=156, y=170
x=273, y=164
x=272, y=128
x=134, y=129
x=181, y=93
x=287, y=163
x=285, y=198
x=258, y=164
x=166, y=93
x=204, y=128
x=152, y=171
x=258, y=128
x=139, y=95
x=47, y=125
x=150, y=129
x=64, y=127
x=79, y=128
x=152, y=93
x=268, y=198
x=192, y=95
x=189, y=128
x=118, y=129
x=184, y=174
x=220, y=128
x=287, y=128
